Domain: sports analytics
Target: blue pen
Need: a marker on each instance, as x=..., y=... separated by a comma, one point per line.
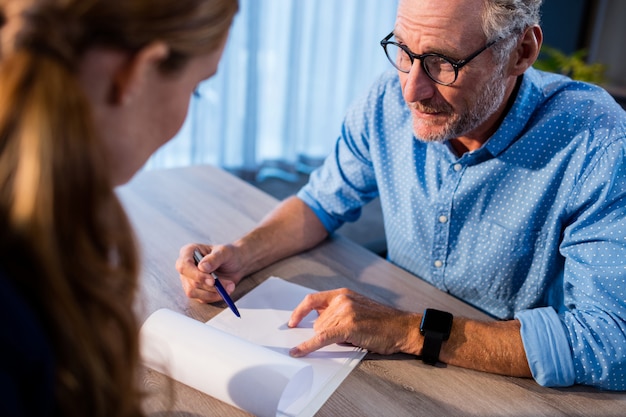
x=197, y=257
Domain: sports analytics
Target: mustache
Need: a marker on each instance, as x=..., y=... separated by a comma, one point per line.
x=428, y=106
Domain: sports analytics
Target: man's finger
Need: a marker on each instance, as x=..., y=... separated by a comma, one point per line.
x=316, y=342
x=309, y=303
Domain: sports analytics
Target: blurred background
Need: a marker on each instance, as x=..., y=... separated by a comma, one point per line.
x=289, y=71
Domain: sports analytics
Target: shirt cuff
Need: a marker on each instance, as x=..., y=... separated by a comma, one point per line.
x=547, y=348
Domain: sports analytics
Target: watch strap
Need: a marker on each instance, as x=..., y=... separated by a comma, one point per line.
x=432, y=347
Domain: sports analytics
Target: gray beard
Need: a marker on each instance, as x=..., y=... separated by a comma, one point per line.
x=485, y=105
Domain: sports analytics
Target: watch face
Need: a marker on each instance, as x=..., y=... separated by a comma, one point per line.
x=436, y=321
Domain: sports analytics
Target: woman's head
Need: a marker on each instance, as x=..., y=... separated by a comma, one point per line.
x=89, y=88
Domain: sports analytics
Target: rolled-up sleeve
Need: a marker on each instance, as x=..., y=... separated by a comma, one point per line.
x=547, y=348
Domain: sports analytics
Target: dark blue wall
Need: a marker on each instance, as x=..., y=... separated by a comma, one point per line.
x=564, y=24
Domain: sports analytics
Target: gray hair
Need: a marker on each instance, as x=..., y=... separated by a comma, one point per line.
x=503, y=18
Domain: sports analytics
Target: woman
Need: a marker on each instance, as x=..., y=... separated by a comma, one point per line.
x=89, y=89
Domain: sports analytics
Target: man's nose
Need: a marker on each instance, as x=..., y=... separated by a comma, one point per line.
x=418, y=85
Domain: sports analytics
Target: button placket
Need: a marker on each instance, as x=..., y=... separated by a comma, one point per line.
x=442, y=223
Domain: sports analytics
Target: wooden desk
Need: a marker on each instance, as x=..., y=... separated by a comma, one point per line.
x=171, y=208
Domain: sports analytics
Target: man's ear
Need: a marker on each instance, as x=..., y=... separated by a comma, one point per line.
x=132, y=75
x=527, y=50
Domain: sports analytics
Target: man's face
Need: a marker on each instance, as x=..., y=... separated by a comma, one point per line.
x=470, y=105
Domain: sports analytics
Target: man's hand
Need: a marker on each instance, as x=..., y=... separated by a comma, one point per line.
x=197, y=281
x=290, y=228
x=345, y=316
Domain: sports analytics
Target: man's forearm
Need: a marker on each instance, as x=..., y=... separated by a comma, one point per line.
x=289, y=229
x=494, y=347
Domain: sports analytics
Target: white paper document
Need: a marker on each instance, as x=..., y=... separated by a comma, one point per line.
x=245, y=361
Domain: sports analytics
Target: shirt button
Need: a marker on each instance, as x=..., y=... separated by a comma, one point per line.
x=438, y=264
x=443, y=219
x=458, y=167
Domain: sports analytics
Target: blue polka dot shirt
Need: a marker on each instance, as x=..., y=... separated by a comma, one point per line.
x=530, y=226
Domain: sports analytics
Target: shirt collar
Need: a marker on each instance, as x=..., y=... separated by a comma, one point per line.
x=529, y=96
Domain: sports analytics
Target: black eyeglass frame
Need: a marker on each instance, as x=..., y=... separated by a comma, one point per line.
x=457, y=65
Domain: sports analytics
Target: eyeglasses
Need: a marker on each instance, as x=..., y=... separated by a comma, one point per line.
x=439, y=68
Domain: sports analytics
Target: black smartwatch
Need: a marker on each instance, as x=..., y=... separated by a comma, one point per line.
x=435, y=327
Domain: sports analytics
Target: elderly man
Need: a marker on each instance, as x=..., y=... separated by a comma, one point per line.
x=499, y=184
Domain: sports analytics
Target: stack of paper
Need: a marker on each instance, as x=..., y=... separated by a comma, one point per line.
x=245, y=361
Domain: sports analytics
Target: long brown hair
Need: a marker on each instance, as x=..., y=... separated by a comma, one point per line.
x=67, y=243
